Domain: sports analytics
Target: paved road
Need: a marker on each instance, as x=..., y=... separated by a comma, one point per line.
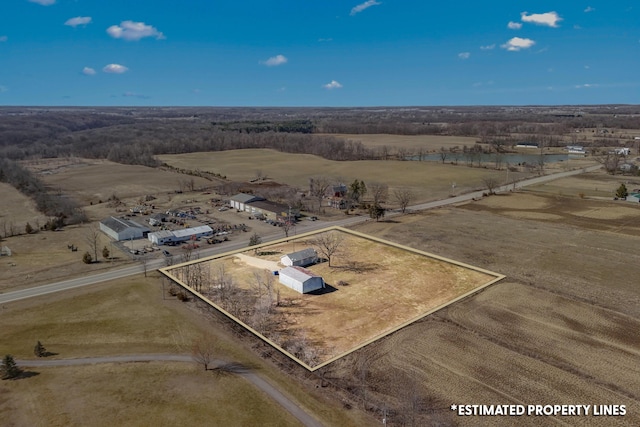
x=305, y=226
x=252, y=377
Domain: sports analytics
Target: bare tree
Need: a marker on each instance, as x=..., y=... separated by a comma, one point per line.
x=610, y=161
x=91, y=238
x=318, y=187
x=328, y=244
x=403, y=196
x=287, y=226
x=443, y=154
x=204, y=350
x=379, y=193
x=491, y=183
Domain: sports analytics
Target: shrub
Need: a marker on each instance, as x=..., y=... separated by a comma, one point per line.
x=86, y=258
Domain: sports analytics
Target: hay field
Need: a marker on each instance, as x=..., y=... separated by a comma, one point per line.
x=411, y=142
x=17, y=209
x=44, y=257
x=93, y=180
x=132, y=316
x=387, y=287
x=560, y=329
x=429, y=180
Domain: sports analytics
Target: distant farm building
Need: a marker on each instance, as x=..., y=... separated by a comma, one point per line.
x=158, y=218
x=622, y=151
x=261, y=207
x=300, y=279
x=301, y=258
x=5, y=251
x=241, y=200
x=527, y=145
x=123, y=229
x=164, y=237
x=576, y=149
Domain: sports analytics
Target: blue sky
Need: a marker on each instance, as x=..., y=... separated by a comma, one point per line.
x=318, y=53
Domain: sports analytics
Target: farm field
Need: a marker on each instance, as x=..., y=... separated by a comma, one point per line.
x=90, y=181
x=410, y=142
x=429, y=180
x=17, y=209
x=133, y=316
x=561, y=328
x=373, y=289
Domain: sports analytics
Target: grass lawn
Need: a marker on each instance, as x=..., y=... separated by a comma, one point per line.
x=131, y=316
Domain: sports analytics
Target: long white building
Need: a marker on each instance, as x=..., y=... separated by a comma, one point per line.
x=300, y=279
x=163, y=237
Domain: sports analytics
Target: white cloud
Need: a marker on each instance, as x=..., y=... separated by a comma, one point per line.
x=332, y=85
x=3, y=39
x=88, y=71
x=135, y=95
x=464, y=55
x=549, y=19
x=44, y=2
x=488, y=47
x=274, y=61
x=362, y=6
x=514, y=25
x=585, y=86
x=115, y=69
x=586, y=67
x=129, y=30
x=589, y=9
x=78, y=20
x=321, y=40
x=517, y=43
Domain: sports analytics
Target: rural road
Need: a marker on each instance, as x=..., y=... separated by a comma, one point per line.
x=253, y=378
x=306, y=226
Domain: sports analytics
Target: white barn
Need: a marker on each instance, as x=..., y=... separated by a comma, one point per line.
x=300, y=279
x=123, y=229
x=301, y=258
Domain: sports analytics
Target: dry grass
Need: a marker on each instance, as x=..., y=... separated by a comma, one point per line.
x=131, y=316
x=95, y=180
x=141, y=394
x=17, y=209
x=388, y=286
x=411, y=142
x=429, y=180
x=560, y=329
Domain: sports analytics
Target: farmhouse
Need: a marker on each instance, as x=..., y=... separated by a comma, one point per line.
x=240, y=201
x=527, y=145
x=300, y=279
x=164, y=237
x=301, y=258
x=123, y=229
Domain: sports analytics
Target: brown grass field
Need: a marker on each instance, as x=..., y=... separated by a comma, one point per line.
x=411, y=142
x=428, y=180
x=17, y=209
x=133, y=317
x=562, y=328
x=388, y=287
x=95, y=180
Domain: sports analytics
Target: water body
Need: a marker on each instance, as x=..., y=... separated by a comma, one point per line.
x=512, y=159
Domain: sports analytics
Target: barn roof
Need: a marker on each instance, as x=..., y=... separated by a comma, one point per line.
x=245, y=198
x=298, y=273
x=121, y=224
x=303, y=254
x=191, y=231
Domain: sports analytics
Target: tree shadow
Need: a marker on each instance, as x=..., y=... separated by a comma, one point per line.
x=230, y=368
x=24, y=375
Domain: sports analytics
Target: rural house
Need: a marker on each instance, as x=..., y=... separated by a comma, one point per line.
x=300, y=279
x=301, y=258
x=123, y=229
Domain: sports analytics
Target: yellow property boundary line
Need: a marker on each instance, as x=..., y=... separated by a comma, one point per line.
x=166, y=271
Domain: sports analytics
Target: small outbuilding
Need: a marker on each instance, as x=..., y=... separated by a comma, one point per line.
x=164, y=237
x=123, y=229
x=301, y=258
x=300, y=279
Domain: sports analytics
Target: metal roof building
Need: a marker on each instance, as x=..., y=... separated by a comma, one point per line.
x=300, y=279
x=240, y=201
x=165, y=236
x=122, y=229
x=301, y=258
